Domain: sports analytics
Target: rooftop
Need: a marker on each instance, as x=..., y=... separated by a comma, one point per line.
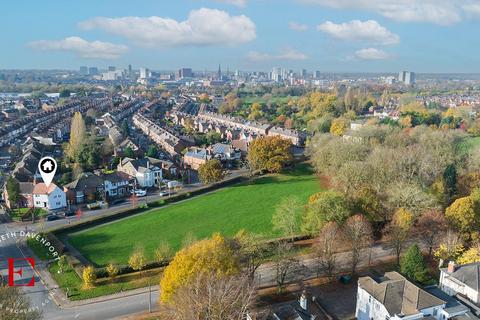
x=399, y=296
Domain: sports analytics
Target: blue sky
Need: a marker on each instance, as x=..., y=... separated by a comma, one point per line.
x=325, y=35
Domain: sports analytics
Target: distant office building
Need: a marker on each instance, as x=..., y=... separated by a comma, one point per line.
x=406, y=77
x=317, y=74
x=277, y=74
x=304, y=73
x=113, y=75
x=410, y=78
x=84, y=70
x=130, y=73
x=144, y=73
x=111, y=68
x=185, y=73
x=93, y=71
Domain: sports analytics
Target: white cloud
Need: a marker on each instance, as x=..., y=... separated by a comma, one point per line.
x=371, y=54
x=288, y=54
x=298, y=26
x=472, y=9
x=238, y=3
x=83, y=48
x=203, y=27
x=356, y=30
x=442, y=12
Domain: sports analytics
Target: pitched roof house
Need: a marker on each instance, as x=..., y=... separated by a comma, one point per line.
x=394, y=297
x=146, y=174
x=49, y=197
x=461, y=280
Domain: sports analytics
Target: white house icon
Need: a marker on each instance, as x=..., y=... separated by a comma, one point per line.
x=48, y=166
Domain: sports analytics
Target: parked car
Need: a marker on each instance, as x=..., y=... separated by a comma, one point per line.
x=96, y=205
x=68, y=213
x=163, y=193
x=52, y=217
x=139, y=192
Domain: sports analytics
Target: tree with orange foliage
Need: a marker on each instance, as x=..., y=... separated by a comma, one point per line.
x=269, y=153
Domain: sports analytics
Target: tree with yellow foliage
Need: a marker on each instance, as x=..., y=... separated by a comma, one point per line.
x=339, y=126
x=137, y=260
x=269, y=153
x=399, y=229
x=255, y=111
x=470, y=256
x=450, y=248
x=463, y=216
x=89, y=277
x=212, y=255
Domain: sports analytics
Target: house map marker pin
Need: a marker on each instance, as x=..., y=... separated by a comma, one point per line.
x=47, y=167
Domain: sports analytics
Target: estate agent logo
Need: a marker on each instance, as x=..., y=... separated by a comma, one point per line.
x=16, y=267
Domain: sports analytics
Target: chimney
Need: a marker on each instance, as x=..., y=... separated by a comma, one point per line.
x=451, y=267
x=303, y=301
x=148, y=164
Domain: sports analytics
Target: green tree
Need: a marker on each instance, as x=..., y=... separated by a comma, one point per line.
x=65, y=93
x=324, y=207
x=211, y=171
x=269, y=153
x=450, y=181
x=152, y=151
x=286, y=216
x=128, y=152
x=413, y=265
x=13, y=190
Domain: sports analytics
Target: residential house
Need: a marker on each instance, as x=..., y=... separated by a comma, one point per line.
x=461, y=280
x=297, y=138
x=146, y=174
x=305, y=308
x=117, y=184
x=169, y=169
x=25, y=196
x=84, y=189
x=50, y=198
x=225, y=152
x=195, y=157
x=394, y=297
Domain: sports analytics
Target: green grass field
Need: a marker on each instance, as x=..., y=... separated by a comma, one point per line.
x=470, y=144
x=244, y=206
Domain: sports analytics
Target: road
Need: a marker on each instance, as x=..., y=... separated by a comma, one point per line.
x=40, y=297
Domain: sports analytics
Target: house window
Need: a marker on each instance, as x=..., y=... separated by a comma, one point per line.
x=434, y=312
x=369, y=299
x=387, y=317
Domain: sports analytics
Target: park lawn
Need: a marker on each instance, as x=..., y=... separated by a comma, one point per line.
x=261, y=100
x=71, y=282
x=469, y=145
x=245, y=206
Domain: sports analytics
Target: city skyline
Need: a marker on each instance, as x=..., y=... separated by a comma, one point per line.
x=340, y=36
